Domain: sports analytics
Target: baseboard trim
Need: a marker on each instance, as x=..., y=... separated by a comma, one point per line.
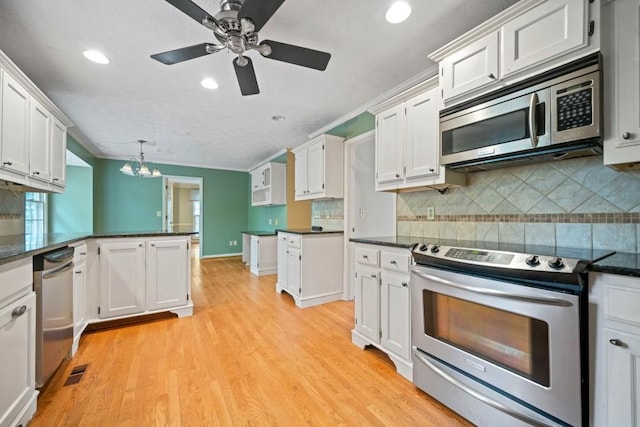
x=222, y=255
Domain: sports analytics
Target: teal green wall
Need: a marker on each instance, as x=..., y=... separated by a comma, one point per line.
x=259, y=217
x=72, y=211
x=129, y=204
x=77, y=149
x=355, y=126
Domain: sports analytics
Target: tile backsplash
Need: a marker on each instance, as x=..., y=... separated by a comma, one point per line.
x=573, y=203
x=329, y=214
x=11, y=213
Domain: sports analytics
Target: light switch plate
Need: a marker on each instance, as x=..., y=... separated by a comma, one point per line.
x=431, y=213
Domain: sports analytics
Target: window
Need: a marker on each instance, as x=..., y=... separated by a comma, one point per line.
x=196, y=216
x=35, y=213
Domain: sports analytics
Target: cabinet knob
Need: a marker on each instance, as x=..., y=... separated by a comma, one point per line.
x=491, y=76
x=393, y=262
x=617, y=342
x=626, y=135
x=56, y=179
x=78, y=272
x=375, y=276
x=7, y=163
x=140, y=245
x=365, y=256
x=405, y=284
x=152, y=244
x=432, y=170
x=19, y=311
x=36, y=173
x=397, y=175
x=83, y=253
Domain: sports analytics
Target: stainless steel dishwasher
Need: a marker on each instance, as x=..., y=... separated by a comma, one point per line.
x=53, y=285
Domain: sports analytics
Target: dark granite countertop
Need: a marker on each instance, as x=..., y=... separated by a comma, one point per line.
x=308, y=231
x=21, y=246
x=259, y=233
x=627, y=264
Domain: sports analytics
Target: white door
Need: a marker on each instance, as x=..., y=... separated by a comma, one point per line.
x=368, y=304
x=169, y=199
x=551, y=29
x=58, y=153
x=301, y=173
x=628, y=69
x=315, y=168
x=395, y=317
x=18, y=356
x=14, y=136
x=623, y=358
x=294, y=272
x=390, y=143
x=255, y=255
x=40, y=142
x=79, y=298
x=122, y=278
x=422, y=136
x=167, y=273
x=282, y=260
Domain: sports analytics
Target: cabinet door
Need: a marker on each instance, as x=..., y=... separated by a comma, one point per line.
x=79, y=298
x=301, y=185
x=389, y=145
x=422, y=137
x=395, y=315
x=623, y=374
x=167, y=273
x=255, y=254
x=40, y=142
x=14, y=136
x=18, y=356
x=547, y=31
x=256, y=179
x=315, y=168
x=58, y=153
x=294, y=272
x=122, y=278
x=368, y=303
x=472, y=67
x=282, y=260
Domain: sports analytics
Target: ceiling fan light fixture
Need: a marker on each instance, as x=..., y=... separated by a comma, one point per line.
x=398, y=12
x=95, y=56
x=209, y=84
x=139, y=167
x=127, y=169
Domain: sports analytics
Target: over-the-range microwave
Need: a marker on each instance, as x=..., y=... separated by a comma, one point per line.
x=556, y=115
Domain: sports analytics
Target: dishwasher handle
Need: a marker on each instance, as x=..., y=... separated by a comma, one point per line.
x=58, y=271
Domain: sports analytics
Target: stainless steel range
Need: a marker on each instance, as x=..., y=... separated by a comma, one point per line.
x=501, y=337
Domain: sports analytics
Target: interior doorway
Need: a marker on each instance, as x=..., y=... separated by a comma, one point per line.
x=182, y=209
x=368, y=213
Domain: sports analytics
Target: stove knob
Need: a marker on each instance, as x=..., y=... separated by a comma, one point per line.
x=435, y=249
x=533, y=260
x=423, y=247
x=556, y=262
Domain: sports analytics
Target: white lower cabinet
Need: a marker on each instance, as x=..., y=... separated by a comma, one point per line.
x=17, y=344
x=79, y=293
x=311, y=270
x=382, y=303
x=614, y=334
x=264, y=255
x=133, y=276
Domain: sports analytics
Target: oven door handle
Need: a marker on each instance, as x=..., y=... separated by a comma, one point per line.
x=533, y=125
x=476, y=394
x=497, y=293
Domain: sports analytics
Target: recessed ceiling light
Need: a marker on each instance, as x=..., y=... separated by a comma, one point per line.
x=209, y=84
x=95, y=56
x=398, y=12
x=277, y=118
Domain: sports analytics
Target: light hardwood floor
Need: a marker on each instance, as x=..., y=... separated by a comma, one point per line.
x=247, y=357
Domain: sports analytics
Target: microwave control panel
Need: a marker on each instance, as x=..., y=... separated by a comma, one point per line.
x=575, y=109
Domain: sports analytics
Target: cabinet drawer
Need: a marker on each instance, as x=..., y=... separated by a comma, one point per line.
x=16, y=278
x=79, y=254
x=367, y=256
x=294, y=241
x=622, y=304
x=395, y=262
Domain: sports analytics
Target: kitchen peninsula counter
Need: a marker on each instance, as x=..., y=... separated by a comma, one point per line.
x=20, y=246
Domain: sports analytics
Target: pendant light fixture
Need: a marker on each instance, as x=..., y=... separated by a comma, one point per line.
x=138, y=167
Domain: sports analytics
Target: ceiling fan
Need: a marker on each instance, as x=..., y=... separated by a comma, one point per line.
x=236, y=28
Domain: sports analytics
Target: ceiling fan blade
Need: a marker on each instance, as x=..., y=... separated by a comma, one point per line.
x=191, y=9
x=298, y=55
x=259, y=11
x=246, y=77
x=178, y=55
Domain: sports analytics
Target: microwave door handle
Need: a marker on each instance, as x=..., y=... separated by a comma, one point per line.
x=533, y=126
x=474, y=393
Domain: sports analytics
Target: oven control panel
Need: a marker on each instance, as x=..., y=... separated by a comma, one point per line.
x=430, y=254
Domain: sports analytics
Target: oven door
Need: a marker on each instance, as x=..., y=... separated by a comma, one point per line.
x=518, y=341
x=497, y=128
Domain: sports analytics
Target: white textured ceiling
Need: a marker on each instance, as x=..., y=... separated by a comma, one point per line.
x=136, y=97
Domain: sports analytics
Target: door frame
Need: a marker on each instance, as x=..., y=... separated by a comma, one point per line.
x=184, y=180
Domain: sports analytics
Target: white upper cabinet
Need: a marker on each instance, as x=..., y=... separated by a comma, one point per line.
x=319, y=169
x=14, y=136
x=470, y=68
x=408, y=142
x=40, y=142
x=543, y=33
x=33, y=133
x=621, y=47
x=530, y=37
x=269, y=185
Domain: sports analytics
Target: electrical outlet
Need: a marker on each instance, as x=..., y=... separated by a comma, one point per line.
x=230, y=242
x=158, y=214
x=431, y=213
x=270, y=221
x=235, y=243
x=276, y=221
